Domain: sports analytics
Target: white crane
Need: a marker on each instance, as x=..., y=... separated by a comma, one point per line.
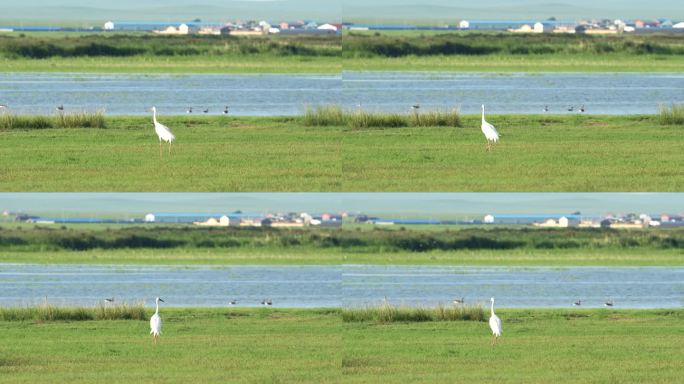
x=609, y=303
x=225, y=110
x=577, y=303
x=489, y=131
x=495, y=324
x=459, y=301
x=156, y=323
x=163, y=132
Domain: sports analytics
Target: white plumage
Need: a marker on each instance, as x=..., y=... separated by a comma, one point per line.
x=495, y=324
x=156, y=323
x=489, y=131
x=163, y=132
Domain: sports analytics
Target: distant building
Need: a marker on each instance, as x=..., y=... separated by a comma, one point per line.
x=109, y=26
x=182, y=29
x=328, y=27
x=488, y=219
x=464, y=24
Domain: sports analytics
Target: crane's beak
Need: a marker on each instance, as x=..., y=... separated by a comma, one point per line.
x=162, y=301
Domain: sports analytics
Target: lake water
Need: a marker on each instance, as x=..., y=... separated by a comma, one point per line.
x=335, y=286
x=285, y=94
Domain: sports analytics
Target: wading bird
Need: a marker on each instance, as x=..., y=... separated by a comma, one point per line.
x=582, y=109
x=225, y=110
x=415, y=108
x=233, y=302
x=546, y=108
x=571, y=109
x=608, y=303
x=109, y=299
x=459, y=301
x=206, y=110
x=489, y=131
x=189, y=110
x=60, y=108
x=266, y=302
x=156, y=323
x=577, y=303
x=163, y=132
x=495, y=324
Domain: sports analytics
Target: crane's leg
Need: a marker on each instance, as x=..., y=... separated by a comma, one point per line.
x=160, y=149
x=170, y=148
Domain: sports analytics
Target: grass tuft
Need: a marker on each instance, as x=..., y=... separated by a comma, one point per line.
x=47, y=313
x=388, y=313
x=673, y=115
x=10, y=121
x=332, y=115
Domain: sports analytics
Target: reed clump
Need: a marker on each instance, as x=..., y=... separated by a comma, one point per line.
x=333, y=115
x=672, y=115
x=47, y=313
x=10, y=121
x=388, y=313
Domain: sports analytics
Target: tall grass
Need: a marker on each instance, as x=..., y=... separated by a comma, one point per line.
x=324, y=115
x=671, y=115
x=75, y=120
x=46, y=312
x=332, y=115
x=388, y=313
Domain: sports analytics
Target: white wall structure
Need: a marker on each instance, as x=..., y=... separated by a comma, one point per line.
x=464, y=24
x=489, y=219
x=109, y=26
x=149, y=218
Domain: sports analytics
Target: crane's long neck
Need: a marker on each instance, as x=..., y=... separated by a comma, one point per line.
x=492, y=308
x=154, y=118
x=157, y=311
x=483, y=120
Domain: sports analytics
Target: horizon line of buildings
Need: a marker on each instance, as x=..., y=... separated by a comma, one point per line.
x=263, y=27
x=303, y=219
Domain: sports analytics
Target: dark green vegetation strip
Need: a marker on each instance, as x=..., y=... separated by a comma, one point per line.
x=46, y=238
x=364, y=45
x=536, y=153
x=24, y=46
x=316, y=346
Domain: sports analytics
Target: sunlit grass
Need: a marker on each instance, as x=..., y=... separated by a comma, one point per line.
x=388, y=313
x=48, y=312
x=672, y=115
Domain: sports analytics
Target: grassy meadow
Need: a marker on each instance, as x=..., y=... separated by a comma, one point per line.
x=317, y=345
x=507, y=52
x=148, y=53
x=536, y=153
x=181, y=245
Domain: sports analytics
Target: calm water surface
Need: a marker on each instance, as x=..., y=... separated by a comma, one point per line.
x=286, y=94
x=335, y=286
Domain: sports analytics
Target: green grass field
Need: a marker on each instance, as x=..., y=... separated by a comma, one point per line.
x=522, y=63
x=558, y=258
x=284, y=346
x=175, y=64
x=458, y=245
x=536, y=153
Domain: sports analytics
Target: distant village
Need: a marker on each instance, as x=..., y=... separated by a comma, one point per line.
x=334, y=220
x=309, y=27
